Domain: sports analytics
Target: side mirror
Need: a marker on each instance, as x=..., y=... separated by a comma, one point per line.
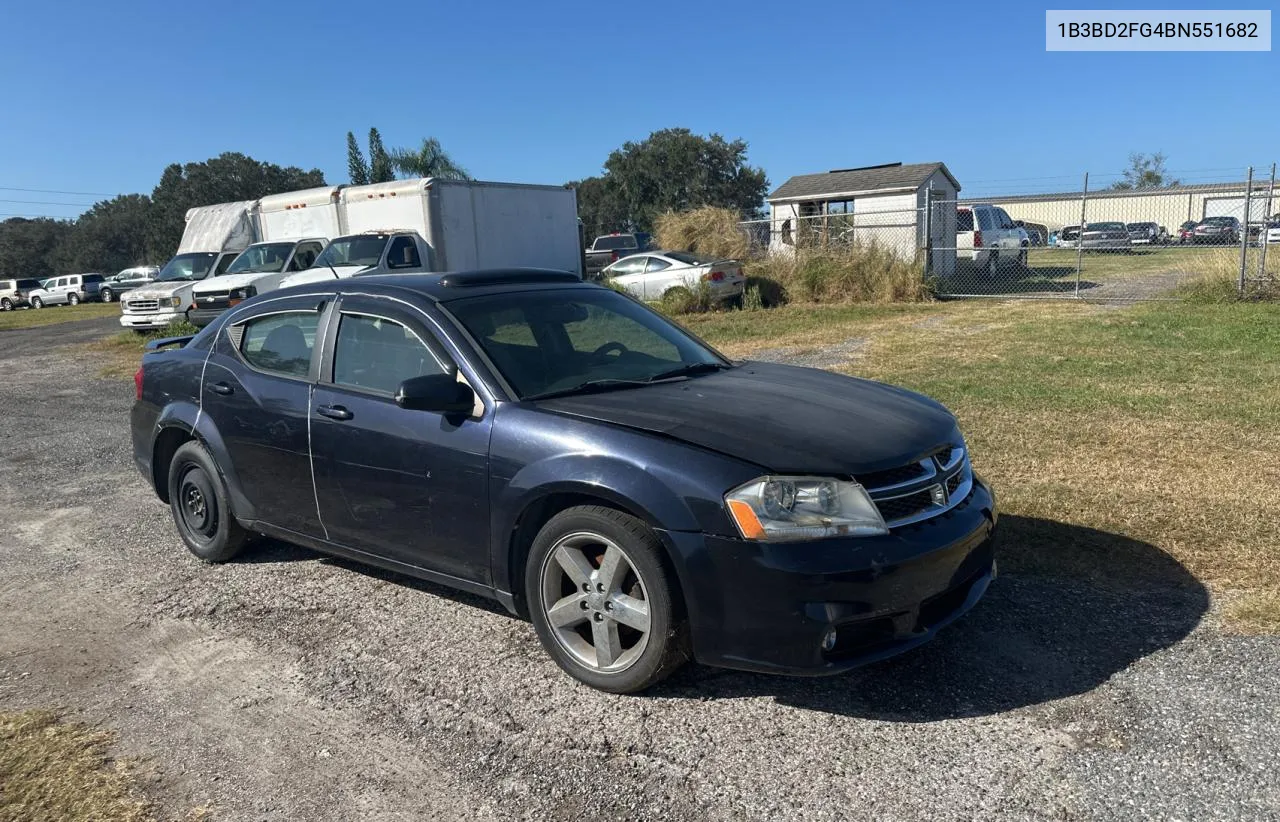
x=436, y=392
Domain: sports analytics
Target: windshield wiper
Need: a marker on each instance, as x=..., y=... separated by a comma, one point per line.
x=688, y=370
x=586, y=388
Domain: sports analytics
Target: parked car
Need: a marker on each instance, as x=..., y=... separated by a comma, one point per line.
x=69, y=289
x=656, y=274
x=573, y=454
x=1146, y=233
x=1107, y=236
x=127, y=280
x=987, y=236
x=13, y=293
x=610, y=248
x=1273, y=231
x=1185, y=233
x=1069, y=236
x=1217, y=230
x=1037, y=235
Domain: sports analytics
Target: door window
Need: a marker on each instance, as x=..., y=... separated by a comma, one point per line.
x=305, y=256
x=985, y=219
x=403, y=254
x=377, y=354
x=279, y=343
x=1005, y=220
x=964, y=220
x=655, y=265
x=224, y=264
x=634, y=265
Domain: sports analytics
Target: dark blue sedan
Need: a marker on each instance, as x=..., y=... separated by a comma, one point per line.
x=566, y=450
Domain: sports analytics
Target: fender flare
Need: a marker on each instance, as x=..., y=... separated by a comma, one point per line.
x=188, y=417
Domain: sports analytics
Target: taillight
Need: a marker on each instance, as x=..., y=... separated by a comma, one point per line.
x=137, y=383
x=977, y=238
x=714, y=276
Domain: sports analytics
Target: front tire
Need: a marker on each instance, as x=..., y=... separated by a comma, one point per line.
x=73, y=299
x=201, y=511
x=107, y=295
x=36, y=302
x=603, y=602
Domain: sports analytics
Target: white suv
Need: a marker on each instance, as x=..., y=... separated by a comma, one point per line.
x=989, y=237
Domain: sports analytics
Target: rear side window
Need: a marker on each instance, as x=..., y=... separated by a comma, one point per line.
x=280, y=343
x=964, y=220
x=378, y=354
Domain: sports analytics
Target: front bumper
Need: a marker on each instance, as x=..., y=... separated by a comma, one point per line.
x=201, y=317
x=767, y=608
x=154, y=319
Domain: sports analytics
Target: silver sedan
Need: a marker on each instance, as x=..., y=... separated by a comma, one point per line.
x=654, y=275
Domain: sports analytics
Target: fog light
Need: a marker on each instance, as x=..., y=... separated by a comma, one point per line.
x=829, y=640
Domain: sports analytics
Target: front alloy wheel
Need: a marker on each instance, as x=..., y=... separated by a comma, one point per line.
x=36, y=302
x=107, y=295
x=602, y=600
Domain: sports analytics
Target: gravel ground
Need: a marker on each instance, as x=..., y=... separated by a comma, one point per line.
x=289, y=686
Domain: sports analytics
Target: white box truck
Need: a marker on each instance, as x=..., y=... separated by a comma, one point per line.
x=294, y=228
x=450, y=225
x=214, y=236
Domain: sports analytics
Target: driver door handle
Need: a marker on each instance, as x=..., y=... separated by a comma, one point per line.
x=220, y=388
x=334, y=412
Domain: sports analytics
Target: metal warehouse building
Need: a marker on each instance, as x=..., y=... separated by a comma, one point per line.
x=1169, y=207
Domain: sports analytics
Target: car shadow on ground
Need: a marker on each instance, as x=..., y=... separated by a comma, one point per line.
x=1072, y=606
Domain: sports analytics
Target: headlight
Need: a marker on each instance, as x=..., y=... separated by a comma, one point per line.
x=245, y=293
x=174, y=302
x=789, y=509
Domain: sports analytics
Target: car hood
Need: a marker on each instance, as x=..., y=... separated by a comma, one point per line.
x=226, y=282
x=155, y=291
x=783, y=418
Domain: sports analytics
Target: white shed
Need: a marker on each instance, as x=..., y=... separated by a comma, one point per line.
x=887, y=205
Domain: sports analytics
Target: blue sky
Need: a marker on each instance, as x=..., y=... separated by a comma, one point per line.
x=100, y=99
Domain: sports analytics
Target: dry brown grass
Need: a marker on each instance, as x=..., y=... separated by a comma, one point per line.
x=1256, y=612
x=713, y=231
x=60, y=772
x=844, y=274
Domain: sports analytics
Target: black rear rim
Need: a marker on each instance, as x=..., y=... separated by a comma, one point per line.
x=197, y=505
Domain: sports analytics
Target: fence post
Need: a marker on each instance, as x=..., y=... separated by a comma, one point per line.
x=1244, y=235
x=1266, y=220
x=1084, y=195
x=928, y=229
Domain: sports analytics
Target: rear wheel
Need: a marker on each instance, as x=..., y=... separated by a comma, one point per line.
x=1022, y=258
x=603, y=602
x=198, y=500
x=73, y=299
x=107, y=295
x=993, y=263
x=36, y=302
x=6, y=304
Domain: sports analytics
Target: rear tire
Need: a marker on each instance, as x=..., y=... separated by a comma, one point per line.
x=73, y=299
x=107, y=295
x=36, y=302
x=201, y=510
x=603, y=602
x=993, y=263
x=6, y=305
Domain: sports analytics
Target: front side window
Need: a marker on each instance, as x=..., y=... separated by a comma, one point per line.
x=269, y=257
x=360, y=250
x=556, y=340
x=280, y=343
x=187, y=267
x=403, y=254
x=377, y=354
x=305, y=256
x=986, y=220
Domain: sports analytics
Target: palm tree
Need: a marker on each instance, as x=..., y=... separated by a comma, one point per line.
x=428, y=161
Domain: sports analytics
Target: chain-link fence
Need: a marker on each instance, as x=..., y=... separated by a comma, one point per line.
x=1110, y=243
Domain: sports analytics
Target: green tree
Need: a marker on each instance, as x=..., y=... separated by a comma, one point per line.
x=357, y=168
x=428, y=160
x=674, y=169
x=112, y=235
x=226, y=178
x=380, y=169
x=1145, y=171
x=34, y=247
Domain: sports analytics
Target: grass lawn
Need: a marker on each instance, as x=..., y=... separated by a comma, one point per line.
x=54, y=314
x=1157, y=422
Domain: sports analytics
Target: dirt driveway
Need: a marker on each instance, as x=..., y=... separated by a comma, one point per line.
x=289, y=686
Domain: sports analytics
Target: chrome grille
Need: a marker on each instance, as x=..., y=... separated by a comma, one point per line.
x=934, y=485
x=142, y=305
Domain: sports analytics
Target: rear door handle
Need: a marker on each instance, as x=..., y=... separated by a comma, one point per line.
x=220, y=388
x=334, y=412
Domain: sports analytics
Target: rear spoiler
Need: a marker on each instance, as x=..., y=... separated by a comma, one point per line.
x=166, y=342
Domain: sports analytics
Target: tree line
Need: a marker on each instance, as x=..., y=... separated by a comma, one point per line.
x=671, y=170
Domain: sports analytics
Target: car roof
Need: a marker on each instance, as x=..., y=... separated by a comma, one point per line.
x=455, y=285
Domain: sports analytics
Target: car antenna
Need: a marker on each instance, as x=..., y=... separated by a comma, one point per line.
x=334, y=270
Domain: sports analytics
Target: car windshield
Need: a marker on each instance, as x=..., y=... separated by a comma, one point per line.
x=266, y=257
x=363, y=250
x=578, y=340
x=613, y=243
x=691, y=259
x=187, y=267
